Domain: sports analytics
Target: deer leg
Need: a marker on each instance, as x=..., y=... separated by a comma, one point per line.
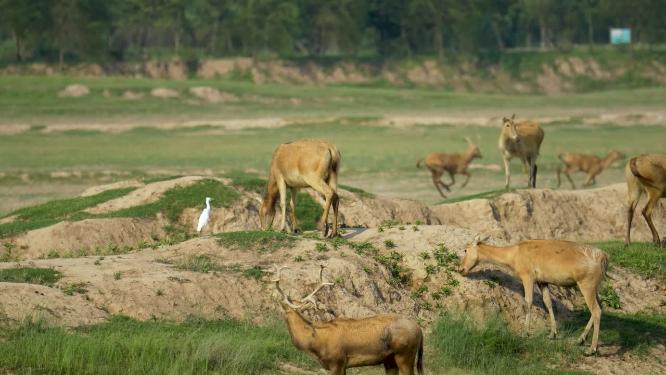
x=453, y=178
x=322, y=187
x=405, y=363
x=566, y=172
x=465, y=173
x=333, y=184
x=528, y=286
x=282, y=187
x=548, y=302
x=292, y=206
x=507, y=173
x=590, y=295
x=559, y=180
x=435, y=180
x=653, y=198
x=634, y=193
x=390, y=367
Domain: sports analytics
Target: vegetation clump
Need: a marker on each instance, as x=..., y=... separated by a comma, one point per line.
x=43, y=276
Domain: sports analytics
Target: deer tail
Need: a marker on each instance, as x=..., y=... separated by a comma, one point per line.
x=419, y=358
x=335, y=159
x=633, y=167
x=418, y=163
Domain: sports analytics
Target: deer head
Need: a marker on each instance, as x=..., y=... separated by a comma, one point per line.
x=509, y=128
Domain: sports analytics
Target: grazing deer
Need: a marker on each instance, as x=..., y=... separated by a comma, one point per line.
x=339, y=344
x=645, y=173
x=590, y=164
x=300, y=164
x=521, y=140
x=438, y=163
x=545, y=262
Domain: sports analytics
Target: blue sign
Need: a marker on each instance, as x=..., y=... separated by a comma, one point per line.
x=620, y=36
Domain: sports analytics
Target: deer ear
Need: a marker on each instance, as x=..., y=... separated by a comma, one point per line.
x=513, y=117
x=477, y=239
x=504, y=119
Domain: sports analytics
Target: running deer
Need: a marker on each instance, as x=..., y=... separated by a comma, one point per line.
x=453, y=164
x=590, y=164
x=300, y=164
x=545, y=262
x=645, y=173
x=339, y=344
x=521, y=140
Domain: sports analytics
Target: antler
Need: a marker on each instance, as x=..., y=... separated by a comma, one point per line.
x=310, y=297
x=285, y=299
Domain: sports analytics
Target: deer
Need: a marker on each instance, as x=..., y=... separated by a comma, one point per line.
x=647, y=173
x=590, y=164
x=339, y=344
x=521, y=140
x=546, y=262
x=300, y=164
x=453, y=164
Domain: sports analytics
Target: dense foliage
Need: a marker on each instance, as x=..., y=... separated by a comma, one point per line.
x=99, y=30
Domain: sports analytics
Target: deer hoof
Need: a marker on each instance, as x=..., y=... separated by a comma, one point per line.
x=590, y=351
x=552, y=335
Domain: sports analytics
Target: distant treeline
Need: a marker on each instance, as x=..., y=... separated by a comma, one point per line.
x=101, y=30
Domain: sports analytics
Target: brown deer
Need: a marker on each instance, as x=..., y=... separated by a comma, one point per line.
x=299, y=164
x=645, y=173
x=545, y=262
x=590, y=164
x=453, y=164
x=521, y=140
x=339, y=344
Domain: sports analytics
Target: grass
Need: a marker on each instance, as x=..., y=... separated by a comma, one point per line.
x=632, y=332
x=42, y=276
x=491, y=348
x=52, y=212
x=126, y=346
x=247, y=181
x=644, y=258
x=174, y=201
x=261, y=241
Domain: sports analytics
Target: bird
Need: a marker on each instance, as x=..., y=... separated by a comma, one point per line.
x=205, y=214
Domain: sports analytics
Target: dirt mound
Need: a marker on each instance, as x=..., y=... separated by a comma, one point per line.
x=74, y=91
x=579, y=215
x=212, y=95
x=72, y=238
x=164, y=93
x=143, y=195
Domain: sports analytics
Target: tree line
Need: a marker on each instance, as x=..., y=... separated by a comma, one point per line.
x=100, y=30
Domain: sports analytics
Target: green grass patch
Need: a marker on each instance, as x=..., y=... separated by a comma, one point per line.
x=308, y=211
x=49, y=213
x=126, y=346
x=491, y=348
x=247, y=181
x=174, y=201
x=42, y=276
x=261, y=241
x=484, y=195
x=644, y=258
x=360, y=192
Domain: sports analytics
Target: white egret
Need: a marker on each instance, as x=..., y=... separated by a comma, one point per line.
x=205, y=214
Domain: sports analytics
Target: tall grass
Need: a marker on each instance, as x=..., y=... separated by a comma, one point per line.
x=44, y=276
x=491, y=348
x=125, y=346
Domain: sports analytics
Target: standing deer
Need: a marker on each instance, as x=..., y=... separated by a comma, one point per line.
x=545, y=262
x=590, y=164
x=645, y=173
x=521, y=140
x=299, y=164
x=438, y=163
x=339, y=344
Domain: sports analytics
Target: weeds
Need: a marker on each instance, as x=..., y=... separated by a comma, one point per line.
x=74, y=288
x=42, y=276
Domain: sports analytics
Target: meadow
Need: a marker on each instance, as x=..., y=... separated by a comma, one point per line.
x=104, y=138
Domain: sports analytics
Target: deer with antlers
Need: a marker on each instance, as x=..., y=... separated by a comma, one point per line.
x=453, y=164
x=545, y=262
x=590, y=164
x=647, y=173
x=339, y=344
x=300, y=164
x=522, y=140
